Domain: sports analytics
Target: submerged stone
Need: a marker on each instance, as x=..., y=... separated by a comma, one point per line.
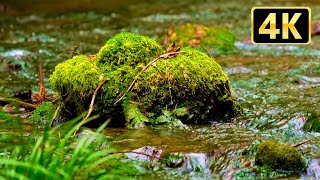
x=279, y=156
x=312, y=124
x=313, y=170
x=213, y=39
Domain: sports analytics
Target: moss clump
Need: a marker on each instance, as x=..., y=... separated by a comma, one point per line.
x=43, y=115
x=192, y=81
x=134, y=117
x=75, y=81
x=279, y=156
x=191, y=85
x=214, y=39
x=127, y=49
x=257, y=172
x=312, y=124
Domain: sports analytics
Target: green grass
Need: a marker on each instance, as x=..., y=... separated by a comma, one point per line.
x=55, y=154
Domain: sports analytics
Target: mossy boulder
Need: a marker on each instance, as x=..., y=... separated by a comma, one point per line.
x=279, y=156
x=191, y=80
x=75, y=80
x=191, y=86
x=312, y=124
x=216, y=40
x=127, y=49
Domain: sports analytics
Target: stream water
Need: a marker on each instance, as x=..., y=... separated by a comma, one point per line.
x=277, y=86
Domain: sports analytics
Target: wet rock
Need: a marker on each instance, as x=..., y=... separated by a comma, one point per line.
x=189, y=162
x=237, y=70
x=279, y=156
x=7, y=65
x=312, y=124
x=310, y=79
x=197, y=162
x=297, y=122
x=40, y=38
x=313, y=169
x=17, y=53
x=8, y=108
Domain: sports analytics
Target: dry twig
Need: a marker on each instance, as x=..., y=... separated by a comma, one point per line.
x=74, y=51
x=92, y=103
x=300, y=143
x=21, y=103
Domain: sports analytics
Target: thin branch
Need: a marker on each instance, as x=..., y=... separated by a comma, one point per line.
x=42, y=88
x=92, y=102
x=94, y=96
x=149, y=155
x=21, y=103
x=300, y=143
x=208, y=51
x=74, y=51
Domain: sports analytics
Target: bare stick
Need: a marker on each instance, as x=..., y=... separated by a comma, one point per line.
x=300, y=143
x=42, y=88
x=74, y=51
x=166, y=55
x=21, y=103
x=149, y=155
x=94, y=96
x=208, y=52
x=92, y=103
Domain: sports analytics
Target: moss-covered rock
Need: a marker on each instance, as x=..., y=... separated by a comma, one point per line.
x=127, y=49
x=191, y=86
x=43, y=115
x=75, y=80
x=192, y=81
x=312, y=124
x=279, y=156
x=214, y=39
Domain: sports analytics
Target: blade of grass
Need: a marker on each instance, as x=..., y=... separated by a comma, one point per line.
x=35, y=167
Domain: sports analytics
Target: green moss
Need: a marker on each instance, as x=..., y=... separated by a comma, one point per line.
x=312, y=124
x=191, y=85
x=43, y=115
x=134, y=117
x=257, y=172
x=213, y=39
x=279, y=156
x=192, y=81
x=75, y=81
x=127, y=49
